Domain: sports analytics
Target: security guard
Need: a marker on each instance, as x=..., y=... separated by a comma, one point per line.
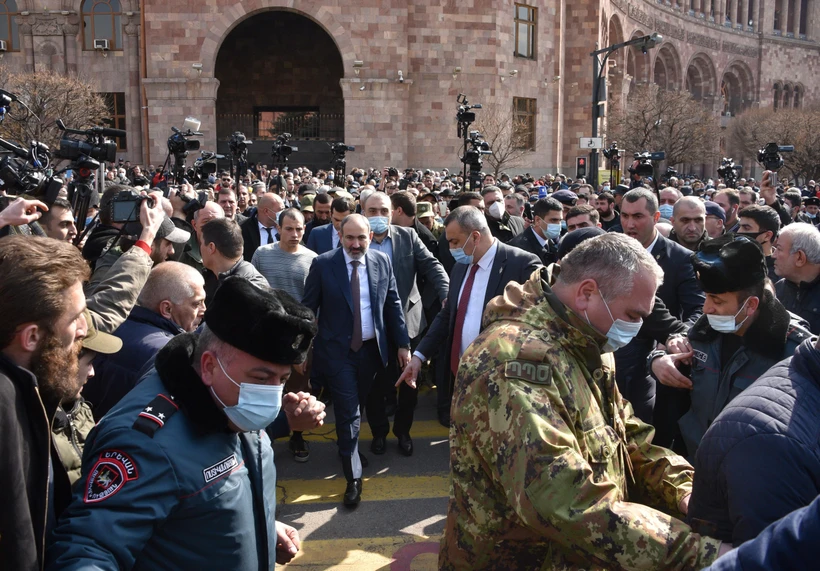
x=180, y=474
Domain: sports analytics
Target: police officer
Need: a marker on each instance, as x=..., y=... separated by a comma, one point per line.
x=548, y=461
x=180, y=474
x=744, y=331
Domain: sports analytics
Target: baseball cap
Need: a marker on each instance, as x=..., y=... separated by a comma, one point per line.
x=171, y=233
x=98, y=341
x=307, y=202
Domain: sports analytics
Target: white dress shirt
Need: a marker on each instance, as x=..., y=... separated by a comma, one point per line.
x=368, y=328
x=542, y=241
x=475, y=306
x=334, y=239
x=263, y=234
x=655, y=241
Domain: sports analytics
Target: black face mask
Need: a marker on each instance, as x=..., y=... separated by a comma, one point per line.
x=317, y=222
x=751, y=235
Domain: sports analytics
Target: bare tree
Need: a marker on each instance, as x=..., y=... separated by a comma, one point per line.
x=509, y=137
x=671, y=121
x=49, y=96
x=751, y=130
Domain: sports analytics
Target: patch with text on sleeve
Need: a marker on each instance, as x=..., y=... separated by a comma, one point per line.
x=538, y=373
x=109, y=474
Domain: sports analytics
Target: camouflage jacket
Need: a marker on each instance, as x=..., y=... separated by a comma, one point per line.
x=550, y=468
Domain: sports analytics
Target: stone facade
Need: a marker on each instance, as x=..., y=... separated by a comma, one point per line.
x=179, y=58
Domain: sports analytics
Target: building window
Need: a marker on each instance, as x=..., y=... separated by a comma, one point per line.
x=8, y=25
x=101, y=21
x=798, y=97
x=116, y=107
x=524, y=115
x=778, y=93
x=525, y=20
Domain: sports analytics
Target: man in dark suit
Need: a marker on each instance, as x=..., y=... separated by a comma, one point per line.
x=542, y=237
x=326, y=238
x=409, y=258
x=321, y=209
x=261, y=228
x=354, y=293
x=501, y=224
x=683, y=298
x=443, y=254
x=484, y=266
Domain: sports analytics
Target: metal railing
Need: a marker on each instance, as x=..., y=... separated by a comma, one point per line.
x=307, y=125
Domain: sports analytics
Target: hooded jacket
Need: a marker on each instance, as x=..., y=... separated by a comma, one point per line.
x=550, y=467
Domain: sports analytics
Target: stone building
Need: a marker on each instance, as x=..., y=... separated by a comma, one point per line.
x=384, y=75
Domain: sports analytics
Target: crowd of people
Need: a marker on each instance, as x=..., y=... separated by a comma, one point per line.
x=630, y=373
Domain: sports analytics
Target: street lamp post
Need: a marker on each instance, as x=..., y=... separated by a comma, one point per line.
x=646, y=43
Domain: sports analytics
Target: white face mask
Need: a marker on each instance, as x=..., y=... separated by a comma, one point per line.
x=621, y=333
x=726, y=323
x=496, y=210
x=257, y=407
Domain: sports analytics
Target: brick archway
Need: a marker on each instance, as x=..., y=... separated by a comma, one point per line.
x=242, y=11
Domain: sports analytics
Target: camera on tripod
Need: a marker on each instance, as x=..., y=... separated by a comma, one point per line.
x=728, y=171
x=204, y=166
x=464, y=116
x=339, y=150
x=238, y=144
x=771, y=159
x=281, y=149
x=645, y=167
x=179, y=144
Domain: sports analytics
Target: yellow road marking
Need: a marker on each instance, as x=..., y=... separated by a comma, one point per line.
x=421, y=429
x=375, y=488
x=367, y=554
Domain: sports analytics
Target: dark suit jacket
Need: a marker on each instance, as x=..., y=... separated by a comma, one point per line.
x=507, y=228
x=327, y=293
x=410, y=259
x=510, y=265
x=321, y=239
x=680, y=290
x=250, y=234
x=528, y=242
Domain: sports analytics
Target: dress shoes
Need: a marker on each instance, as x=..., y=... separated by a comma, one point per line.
x=405, y=444
x=444, y=418
x=379, y=445
x=353, y=493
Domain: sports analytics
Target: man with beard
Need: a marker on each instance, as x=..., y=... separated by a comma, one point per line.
x=605, y=205
x=42, y=304
x=321, y=208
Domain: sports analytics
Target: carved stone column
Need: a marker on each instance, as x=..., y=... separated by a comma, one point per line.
x=798, y=5
x=784, y=17
x=732, y=12
x=131, y=41
x=70, y=30
x=27, y=44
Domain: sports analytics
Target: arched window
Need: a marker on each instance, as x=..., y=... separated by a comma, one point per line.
x=8, y=24
x=798, y=97
x=787, y=96
x=778, y=92
x=101, y=21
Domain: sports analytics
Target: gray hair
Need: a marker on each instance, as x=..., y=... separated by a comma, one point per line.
x=612, y=260
x=519, y=200
x=208, y=341
x=364, y=194
x=354, y=216
x=690, y=201
x=804, y=237
x=172, y=281
x=673, y=189
x=636, y=194
x=469, y=218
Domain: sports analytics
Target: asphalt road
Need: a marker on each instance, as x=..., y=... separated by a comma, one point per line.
x=400, y=519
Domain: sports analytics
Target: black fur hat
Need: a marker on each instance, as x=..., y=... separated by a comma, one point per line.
x=266, y=323
x=729, y=263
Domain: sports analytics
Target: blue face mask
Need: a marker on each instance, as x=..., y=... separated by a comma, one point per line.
x=88, y=221
x=460, y=257
x=378, y=224
x=666, y=211
x=621, y=333
x=553, y=232
x=257, y=407
x=563, y=225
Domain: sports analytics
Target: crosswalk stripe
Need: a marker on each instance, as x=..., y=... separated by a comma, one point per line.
x=404, y=552
x=421, y=429
x=374, y=488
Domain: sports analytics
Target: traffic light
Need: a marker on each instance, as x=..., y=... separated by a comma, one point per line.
x=580, y=167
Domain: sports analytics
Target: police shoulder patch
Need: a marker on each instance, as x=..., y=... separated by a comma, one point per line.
x=108, y=475
x=538, y=373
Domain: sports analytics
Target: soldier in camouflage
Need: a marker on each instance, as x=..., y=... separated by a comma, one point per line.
x=550, y=468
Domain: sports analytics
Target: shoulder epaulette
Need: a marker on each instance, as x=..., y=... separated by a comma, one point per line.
x=155, y=415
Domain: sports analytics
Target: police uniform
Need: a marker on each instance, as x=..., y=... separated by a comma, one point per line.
x=166, y=484
x=548, y=461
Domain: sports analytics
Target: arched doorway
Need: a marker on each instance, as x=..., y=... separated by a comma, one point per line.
x=737, y=88
x=701, y=78
x=279, y=72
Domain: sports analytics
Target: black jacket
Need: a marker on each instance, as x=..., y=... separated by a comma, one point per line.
x=802, y=299
x=97, y=242
x=507, y=228
x=684, y=299
x=250, y=236
x=24, y=458
x=528, y=242
x=760, y=459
